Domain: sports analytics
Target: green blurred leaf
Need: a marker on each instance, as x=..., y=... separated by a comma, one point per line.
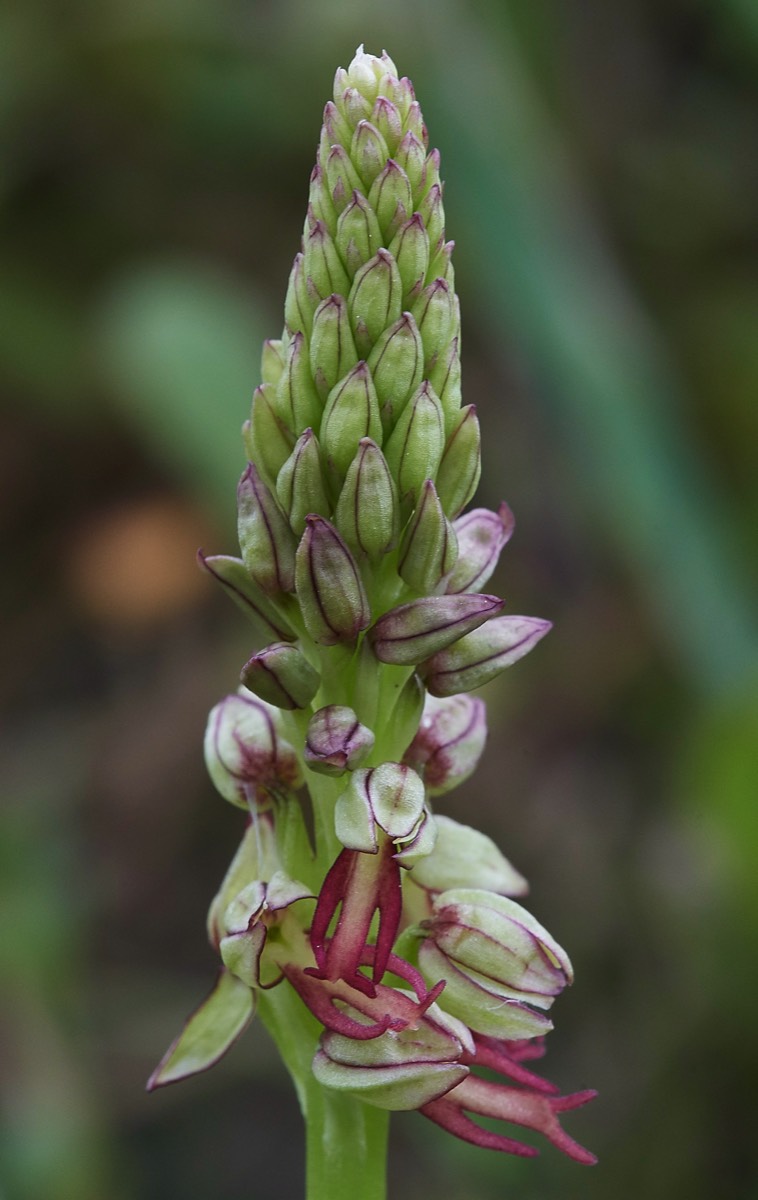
x=180, y=345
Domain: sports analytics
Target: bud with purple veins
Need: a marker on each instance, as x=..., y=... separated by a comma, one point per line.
x=415, y=970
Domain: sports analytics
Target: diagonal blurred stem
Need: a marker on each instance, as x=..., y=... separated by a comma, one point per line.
x=616, y=400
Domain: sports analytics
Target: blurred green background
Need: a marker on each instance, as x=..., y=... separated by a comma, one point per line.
x=602, y=190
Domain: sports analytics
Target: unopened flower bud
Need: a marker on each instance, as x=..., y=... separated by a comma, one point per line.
x=414, y=121
x=368, y=152
x=399, y=1070
x=266, y=540
x=245, y=753
x=389, y=797
x=337, y=127
x=329, y=586
x=332, y=350
x=481, y=656
x=449, y=742
x=461, y=463
x=415, y=446
x=445, y=378
x=434, y=311
x=301, y=487
x=433, y=215
x=397, y=364
x=272, y=361
x=324, y=272
x=410, y=249
x=385, y=116
x=481, y=536
x=404, y=634
x=336, y=741
x=367, y=510
x=355, y=106
x=428, y=550
x=441, y=267
x=319, y=200
x=358, y=233
x=281, y=675
x=375, y=300
x=298, y=311
x=465, y=858
x=296, y=399
x=501, y=958
x=391, y=199
x=342, y=177
x=234, y=578
x=351, y=413
x=411, y=156
x=268, y=441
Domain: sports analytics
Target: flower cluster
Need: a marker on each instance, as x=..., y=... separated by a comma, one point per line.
x=397, y=928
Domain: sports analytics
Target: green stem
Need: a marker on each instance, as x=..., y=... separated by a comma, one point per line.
x=346, y=1141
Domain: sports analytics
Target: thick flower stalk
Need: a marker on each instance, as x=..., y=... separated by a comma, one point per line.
x=379, y=942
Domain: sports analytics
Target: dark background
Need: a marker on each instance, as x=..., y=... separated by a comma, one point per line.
x=602, y=191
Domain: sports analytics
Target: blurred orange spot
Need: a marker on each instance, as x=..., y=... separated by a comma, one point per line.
x=135, y=564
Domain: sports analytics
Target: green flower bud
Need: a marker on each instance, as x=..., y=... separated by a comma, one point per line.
x=499, y=954
x=268, y=441
x=324, y=272
x=354, y=106
x=329, y=586
x=391, y=199
x=298, y=312
x=433, y=215
x=319, y=200
x=429, y=548
x=332, y=350
x=351, y=413
x=410, y=249
x=375, y=300
x=342, y=178
x=482, y=655
x=415, y=446
x=430, y=174
x=245, y=753
x=435, y=316
x=389, y=798
x=399, y=1070
x=411, y=158
x=272, y=361
x=338, y=129
x=445, y=378
x=301, y=487
x=465, y=858
x=281, y=675
x=296, y=399
x=414, y=123
x=336, y=741
x=449, y=742
x=367, y=510
x=358, y=233
x=368, y=152
x=396, y=364
x=404, y=634
x=386, y=118
x=441, y=267
x=235, y=579
x=481, y=536
x=266, y=540
x=461, y=463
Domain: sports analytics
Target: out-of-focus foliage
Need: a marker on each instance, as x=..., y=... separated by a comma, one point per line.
x=600, y=160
